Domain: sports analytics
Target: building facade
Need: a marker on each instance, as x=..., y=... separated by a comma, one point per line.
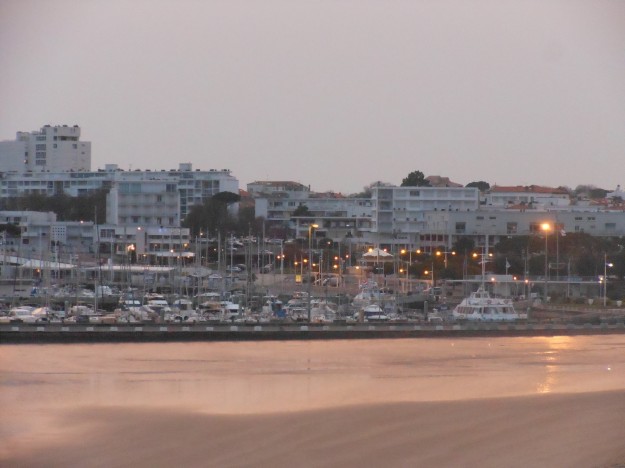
x=398, y=213
x=444, y=228
x=191, y=187
x=53, y=148
x=532, y=196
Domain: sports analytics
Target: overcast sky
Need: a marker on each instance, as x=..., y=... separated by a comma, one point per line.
x=332, y=94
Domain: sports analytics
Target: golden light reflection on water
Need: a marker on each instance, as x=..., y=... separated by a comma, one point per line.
x=550, y=380
x=555, y=347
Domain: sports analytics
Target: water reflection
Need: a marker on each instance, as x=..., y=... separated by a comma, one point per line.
x=267, y=377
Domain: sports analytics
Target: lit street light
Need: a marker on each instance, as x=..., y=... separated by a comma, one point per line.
x=426, y=272
x=546, y=227
x=439, y=253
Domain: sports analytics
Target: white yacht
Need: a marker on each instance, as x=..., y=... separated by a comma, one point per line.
x=480, y=306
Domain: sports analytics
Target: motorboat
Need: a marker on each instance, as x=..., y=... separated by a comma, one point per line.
x=153, y=299
x=24, y=314
x=480, y=306
x=368, y=293
x=374, y=313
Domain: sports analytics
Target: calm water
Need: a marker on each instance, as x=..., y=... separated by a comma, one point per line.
x=40, y=382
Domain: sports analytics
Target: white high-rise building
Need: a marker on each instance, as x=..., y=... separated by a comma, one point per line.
x=51, y=149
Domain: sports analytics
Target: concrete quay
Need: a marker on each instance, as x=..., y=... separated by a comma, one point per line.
x=63, y=333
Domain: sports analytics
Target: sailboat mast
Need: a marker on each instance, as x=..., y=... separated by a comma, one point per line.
x=484, y=257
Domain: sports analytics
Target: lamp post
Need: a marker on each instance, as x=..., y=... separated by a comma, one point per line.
x=605, y=278
x=432, y=273
x=546, y=227
x=403, y=252
x=310, y=230
x=445, y=252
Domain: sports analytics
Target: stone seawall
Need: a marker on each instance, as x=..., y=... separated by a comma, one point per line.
x=58, y=333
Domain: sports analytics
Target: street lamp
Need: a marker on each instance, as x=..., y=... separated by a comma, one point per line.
x=310, y=230
x=546, y=227
x=605, y=278
x=439, y=253
x=426, y=272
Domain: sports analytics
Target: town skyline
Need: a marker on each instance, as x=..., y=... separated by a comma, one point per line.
x=329, y=94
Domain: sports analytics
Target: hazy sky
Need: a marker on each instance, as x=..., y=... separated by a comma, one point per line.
x=333, y=94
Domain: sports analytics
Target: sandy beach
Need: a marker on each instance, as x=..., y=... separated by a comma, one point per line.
x=556, y=401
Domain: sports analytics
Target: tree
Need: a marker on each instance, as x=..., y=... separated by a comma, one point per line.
x=301, y=210
x=367, y=190
x=212, y=215
x=481, y=185
x=227, y=197
x=464, y=244
x=415, y=179
x=11, y=229
x=67, y=208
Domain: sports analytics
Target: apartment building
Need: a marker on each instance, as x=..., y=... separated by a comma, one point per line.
x=530, y=196
x=191, y=187
x=444, y=228
x=398, y=213
x=52, y=148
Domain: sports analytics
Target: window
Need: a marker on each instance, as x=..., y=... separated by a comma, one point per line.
x=511, y=228
x=610, y=226
x=129, y=187
x=75, y=146
x=40, y=147
x=415, y=193
x=461, y=228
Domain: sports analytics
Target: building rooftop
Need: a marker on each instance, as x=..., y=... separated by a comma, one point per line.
x=528, y=189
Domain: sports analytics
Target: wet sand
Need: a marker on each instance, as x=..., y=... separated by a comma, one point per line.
x=556, y=401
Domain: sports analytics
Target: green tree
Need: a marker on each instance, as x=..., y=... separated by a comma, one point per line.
x=301, y=210
x=212, y=215
x=480, y=185
x=415, y=179
x=82, y=208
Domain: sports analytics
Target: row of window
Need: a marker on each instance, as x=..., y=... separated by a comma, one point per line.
x=512, y=227
x=147, y=220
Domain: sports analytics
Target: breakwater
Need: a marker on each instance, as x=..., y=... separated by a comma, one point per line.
x=60, y=333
